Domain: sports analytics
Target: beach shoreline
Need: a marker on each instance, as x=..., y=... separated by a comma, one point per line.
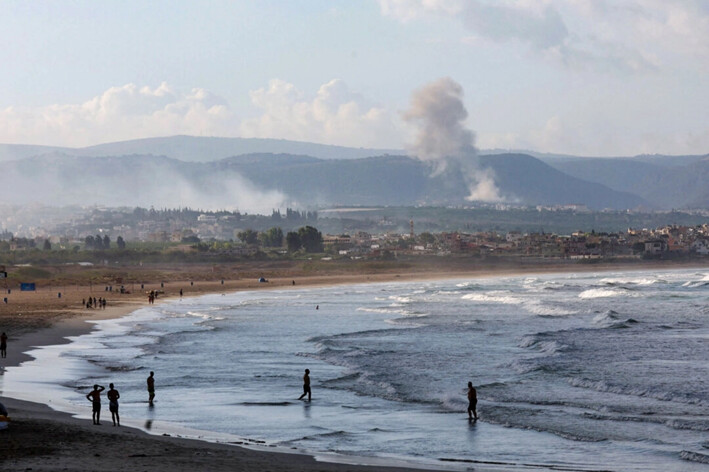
x=57, y=323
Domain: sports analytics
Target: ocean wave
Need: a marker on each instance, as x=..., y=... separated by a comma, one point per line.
x=537, y=308
x=694, y=457
x=329, y=434
x=453, y=402
x=401, y=299
x=606, y=293
x=609, y=320
x=696, y=284
x=385, y=311
x=502, y=297
x=630, y=281
x=285, y=403
x=635, y=391
x=674, y=423
x=608, y=316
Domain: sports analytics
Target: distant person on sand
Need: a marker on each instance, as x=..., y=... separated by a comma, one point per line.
x=3, y=345
x=94, y=397
x=113, y=397
x=472, y=402
x=151, y=387
x=306, y=385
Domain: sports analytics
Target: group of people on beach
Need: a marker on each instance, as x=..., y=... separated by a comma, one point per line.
x=94, y=396
x=153, y=294
x=93, y=302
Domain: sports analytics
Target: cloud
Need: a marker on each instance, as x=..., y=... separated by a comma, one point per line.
x=119, y=113
x=334, y=115
x=625, y=36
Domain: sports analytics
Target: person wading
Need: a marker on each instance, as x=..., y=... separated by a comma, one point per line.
x=151, y=387
x=306, y=385
x=472, y=402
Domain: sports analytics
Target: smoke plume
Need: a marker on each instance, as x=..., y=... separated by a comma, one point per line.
x=437, y=112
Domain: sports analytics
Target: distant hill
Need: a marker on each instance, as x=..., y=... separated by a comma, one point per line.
x=11, y=152
x=666, y=182
x=260, y=182
x=188, y=170
x=196, y=149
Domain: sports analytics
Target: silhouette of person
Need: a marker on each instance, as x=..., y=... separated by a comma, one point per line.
x=472, y=401
x=3, y=345
x=94, y=397
x=113, y=397
x=180, y=293
x=306, y=385
x=151, y=387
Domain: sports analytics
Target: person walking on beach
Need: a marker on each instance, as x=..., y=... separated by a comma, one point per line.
x=3, y=345
x=472, y=402
x=113, y=397
x=151, y=387
x=306, y=385
x=95, y=398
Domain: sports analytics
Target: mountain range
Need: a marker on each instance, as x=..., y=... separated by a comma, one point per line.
x=262, y=174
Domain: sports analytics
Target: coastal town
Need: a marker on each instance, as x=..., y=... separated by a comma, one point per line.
x=233, y=235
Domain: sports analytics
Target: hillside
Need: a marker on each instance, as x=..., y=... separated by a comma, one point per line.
x=260, y=182
x=663, y=182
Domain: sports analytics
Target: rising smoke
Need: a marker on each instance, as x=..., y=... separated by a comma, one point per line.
x=442, y=140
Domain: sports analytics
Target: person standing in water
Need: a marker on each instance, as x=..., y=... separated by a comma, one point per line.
x=94, y=397
x=113, y=397
x=151, y=387
x=3, y=345
x=472, y=402
x=306, y=385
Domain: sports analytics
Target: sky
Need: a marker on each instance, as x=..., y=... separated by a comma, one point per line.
x=583, y=77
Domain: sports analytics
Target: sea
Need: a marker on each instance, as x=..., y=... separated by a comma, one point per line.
x=574, y=371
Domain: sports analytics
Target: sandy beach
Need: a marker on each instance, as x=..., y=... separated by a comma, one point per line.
x=43, y=439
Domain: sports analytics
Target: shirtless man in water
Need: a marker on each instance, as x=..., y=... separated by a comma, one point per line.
x=151, y=387
x=472, y=401
x=306, y=385
x=94, y=397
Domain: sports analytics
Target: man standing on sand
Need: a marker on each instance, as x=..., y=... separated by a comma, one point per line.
x=472, y=402
x=3, y=345
x=306, y=385
x=95, y=398
x=151, y=387
x=113, y=397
